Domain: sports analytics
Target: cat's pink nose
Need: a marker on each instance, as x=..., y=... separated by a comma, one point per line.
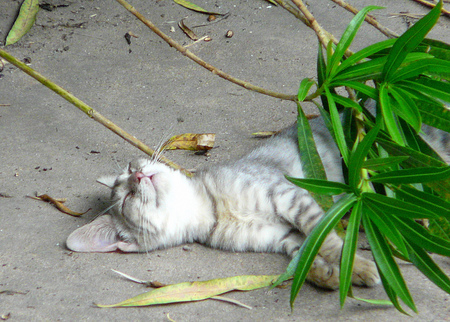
x=139, y=176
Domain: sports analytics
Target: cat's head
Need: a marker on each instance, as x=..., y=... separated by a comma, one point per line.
x=142, y=196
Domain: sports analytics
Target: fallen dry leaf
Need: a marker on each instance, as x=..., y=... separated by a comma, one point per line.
x=58, y=203
x=187, y=31
x=191, y=142
x=197, y=291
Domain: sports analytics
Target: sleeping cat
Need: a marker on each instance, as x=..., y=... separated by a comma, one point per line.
x=245, y=205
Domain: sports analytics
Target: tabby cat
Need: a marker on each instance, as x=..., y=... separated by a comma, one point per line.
x=244, y=205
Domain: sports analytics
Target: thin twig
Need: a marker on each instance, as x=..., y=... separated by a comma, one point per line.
x=299, y=16
x=432, y=5
x=201, y=62
x=322, y=34
x=369, y=18
x=88, y=110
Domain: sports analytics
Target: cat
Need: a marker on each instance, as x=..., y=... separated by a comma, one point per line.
x=244, y=205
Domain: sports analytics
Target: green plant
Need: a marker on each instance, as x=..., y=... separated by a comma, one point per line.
x=394, y=177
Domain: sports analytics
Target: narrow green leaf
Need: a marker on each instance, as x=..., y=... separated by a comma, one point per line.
x=303, y=90
x=425, y=200
x=313, y=242
x=434, y=115
x=193, y=6
x=348, y=252
x=321, y=67
x=390, y=274
x=438, y=49
x=391, y=294
x=363, y=88
x=407, y=108
x=25, y=20
x=348, y=36
x=389, y=116
x=363, y=53
x=428, y=267
x=311, y=163
x=359, y=155
x=337, y=126
x=398, y=207
x=321, y=186
x=416, y=175
x=410, y=40
x=360, y=72
x=383, y=163
x=346, y=102
x=418, y=235
x=385, y=225
x=431, y=66
x=436, y=89
x=197, y=291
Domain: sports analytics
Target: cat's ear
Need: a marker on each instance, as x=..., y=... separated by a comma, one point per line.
x=99, y=235
x=107, y=181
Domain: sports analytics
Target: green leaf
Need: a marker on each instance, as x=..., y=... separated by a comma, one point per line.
x=430, y=87
x=313, y=242
x=363, y=53
x=193, y=6
x=25, y=20
x=363, y=88
x=407, y=108
x=431, y=66
x=348, y=252
x=372, y=69
x=321, y=186
x=391, y=294
x=434, y=115
x=346, y=102
x=303, y=90
x=397, y=207
x=428, y=267
x=389, y=116
x=415, y=175
x=383, y=163
x=337, y=126
x=197, y=291
x=410, y=40
x=358, y=156
x=425, y=200
x=385, y=225
x=311, y=163
x=390, y=274
x=418, y=235
x=438, y=49
x=347, y=37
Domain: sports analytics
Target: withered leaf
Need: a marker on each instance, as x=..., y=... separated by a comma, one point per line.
x=59, y=205
x=193, y=6
x=187, y=31
x=191, y=142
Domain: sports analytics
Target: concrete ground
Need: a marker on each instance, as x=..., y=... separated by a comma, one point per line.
x=152, y=91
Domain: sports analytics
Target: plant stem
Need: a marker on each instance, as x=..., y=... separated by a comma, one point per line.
x=370, y=19
x=432, y=5
x=201, y=62
x=88, y=110
x=322, y=34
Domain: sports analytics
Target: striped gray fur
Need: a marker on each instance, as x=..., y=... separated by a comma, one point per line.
x=243, y=205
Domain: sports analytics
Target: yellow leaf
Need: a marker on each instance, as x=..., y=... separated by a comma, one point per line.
x=197, y=291
x=192, y=6
x=24, y=22
x=191, y=141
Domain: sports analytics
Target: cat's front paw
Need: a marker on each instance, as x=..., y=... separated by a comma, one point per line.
x=365, y=272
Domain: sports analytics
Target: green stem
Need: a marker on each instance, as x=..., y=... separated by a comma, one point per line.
x=88, y=110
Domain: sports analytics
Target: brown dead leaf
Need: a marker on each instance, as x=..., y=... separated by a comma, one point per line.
x=58, y=203
x=191, y=142
x=187, y=31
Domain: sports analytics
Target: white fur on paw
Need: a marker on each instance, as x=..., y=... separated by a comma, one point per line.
x=365, y=273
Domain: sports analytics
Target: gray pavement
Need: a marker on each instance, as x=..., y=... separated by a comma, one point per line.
x=152, y=91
